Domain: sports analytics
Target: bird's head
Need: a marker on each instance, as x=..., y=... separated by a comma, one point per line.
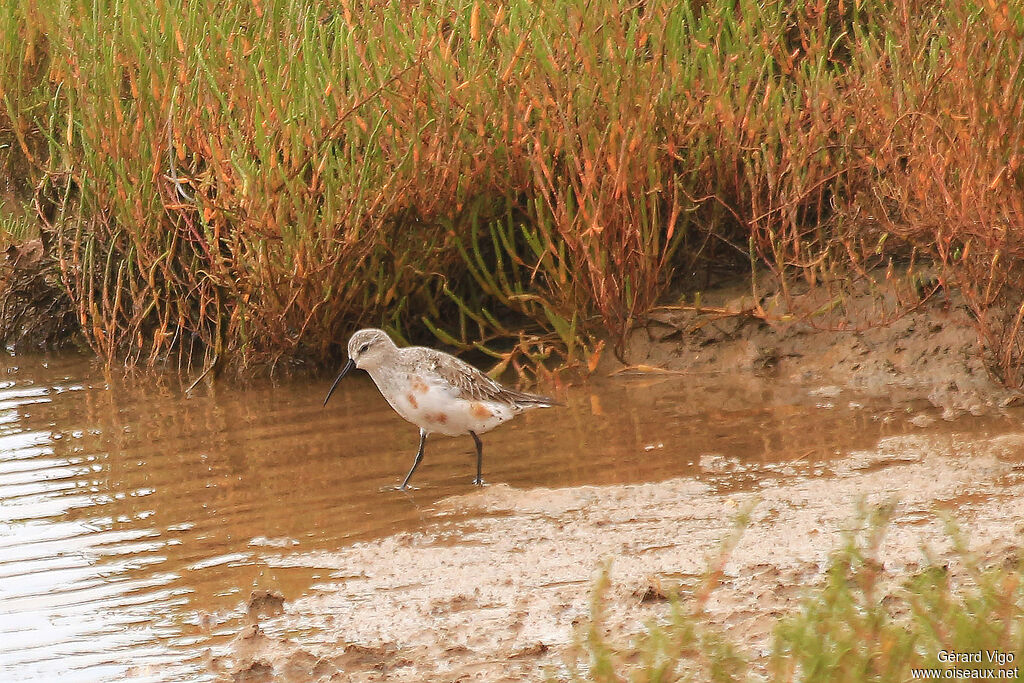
x=367, y=350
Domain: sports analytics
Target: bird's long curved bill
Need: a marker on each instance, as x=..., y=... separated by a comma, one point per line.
x=344, y=371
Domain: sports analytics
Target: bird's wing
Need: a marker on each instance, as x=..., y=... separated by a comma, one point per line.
x=471, y=384
x=467, y=382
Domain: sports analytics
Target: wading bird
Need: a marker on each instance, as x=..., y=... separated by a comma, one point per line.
x=435, y=391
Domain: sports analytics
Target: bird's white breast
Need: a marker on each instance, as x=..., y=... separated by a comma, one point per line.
x=434, y=405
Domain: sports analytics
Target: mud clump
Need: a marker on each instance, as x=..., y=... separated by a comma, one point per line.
x=35, y=310
x=258, y=671
x=265, y=602
x=656, y=589
x=254, y=657
x=533, y=650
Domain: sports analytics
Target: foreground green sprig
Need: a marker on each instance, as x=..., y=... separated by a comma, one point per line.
x=856, y=625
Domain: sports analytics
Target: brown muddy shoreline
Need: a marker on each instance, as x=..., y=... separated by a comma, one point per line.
x=501, y=596
x=495, y=584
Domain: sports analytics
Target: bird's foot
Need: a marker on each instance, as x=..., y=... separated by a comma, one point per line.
x=404, y=487
x=478, y=481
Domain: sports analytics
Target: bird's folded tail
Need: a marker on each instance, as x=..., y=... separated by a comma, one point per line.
x=527, y=400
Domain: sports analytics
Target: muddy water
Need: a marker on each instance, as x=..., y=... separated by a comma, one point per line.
x=135, y=521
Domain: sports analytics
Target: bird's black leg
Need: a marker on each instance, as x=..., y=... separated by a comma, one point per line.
x=416, y=462
x=479, y=481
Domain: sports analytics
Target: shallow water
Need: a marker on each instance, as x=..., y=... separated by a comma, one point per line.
x=136, y=521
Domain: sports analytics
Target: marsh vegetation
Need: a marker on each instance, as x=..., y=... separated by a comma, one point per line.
x=248, y=180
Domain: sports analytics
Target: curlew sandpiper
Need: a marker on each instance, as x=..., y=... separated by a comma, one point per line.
x=435, y=391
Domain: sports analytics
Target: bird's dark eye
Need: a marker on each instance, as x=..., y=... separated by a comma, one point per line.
x=362, y=349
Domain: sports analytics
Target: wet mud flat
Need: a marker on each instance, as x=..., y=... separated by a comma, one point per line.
x=499, y=595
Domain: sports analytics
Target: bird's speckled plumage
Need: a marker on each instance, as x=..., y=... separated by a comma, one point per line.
x=436, y=391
